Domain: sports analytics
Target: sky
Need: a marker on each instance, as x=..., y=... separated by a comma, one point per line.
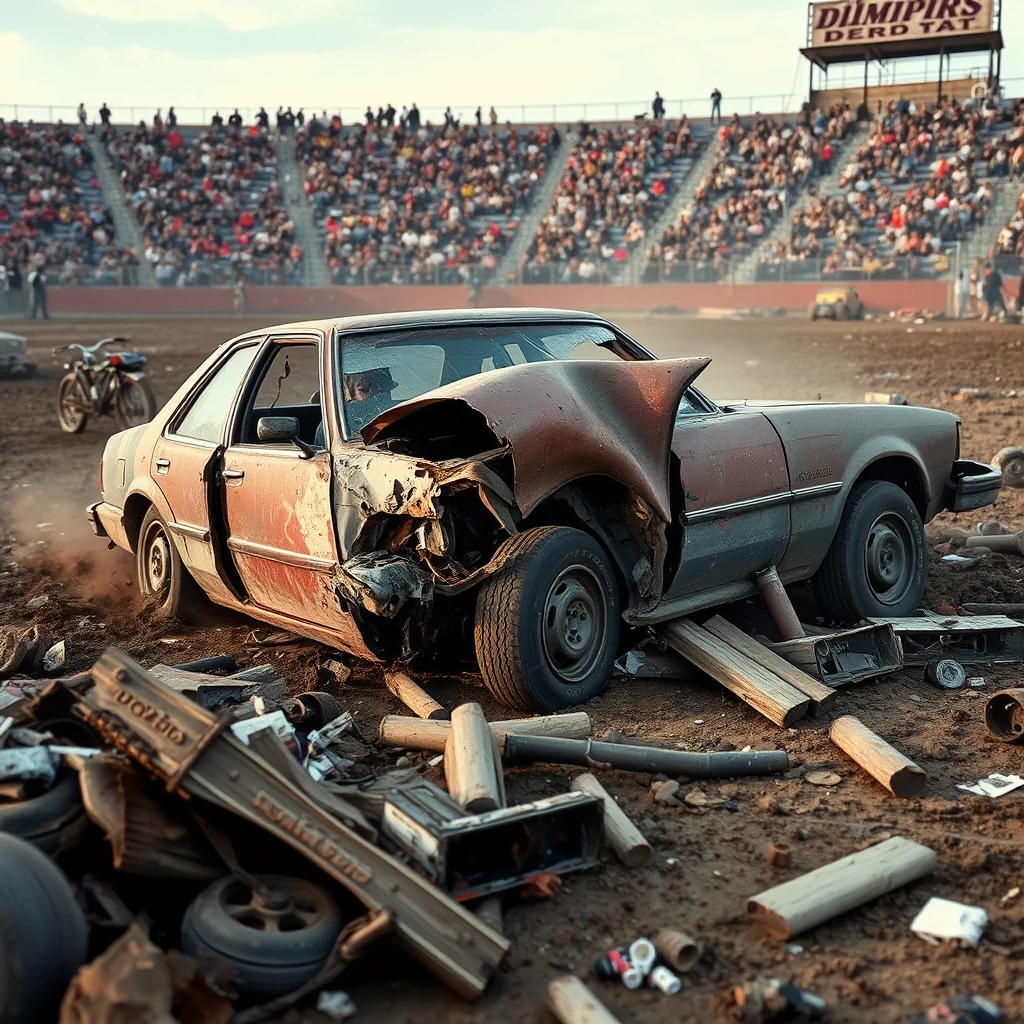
x=138, y=55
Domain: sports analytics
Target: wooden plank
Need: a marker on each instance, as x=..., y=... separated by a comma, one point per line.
x=431, y=734
x=822, y=696
x=622, y=835
x=801, y=903
x=892, y=769
x=413, y=696
x=573, y=1003
x=764, y=691
x=472, y=765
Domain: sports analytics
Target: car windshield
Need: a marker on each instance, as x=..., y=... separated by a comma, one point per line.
x=382, y=369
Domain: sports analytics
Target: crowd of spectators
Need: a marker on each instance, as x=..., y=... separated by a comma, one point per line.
x=915, y=188
x=1009, y=248
x=615, y=182
x=760, y=164
x=51, y=216
x=208, y=203
x=405, y=202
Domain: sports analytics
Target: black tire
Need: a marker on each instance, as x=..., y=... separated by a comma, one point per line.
x=878, y=561
x=71, y=397
x=1011, y=462
x=160, y=573
x=54, y=821
x=43, y=934
x=842, y=311
x=319, y=708
x=136, y=403
x=228, y=921
x=547, y=623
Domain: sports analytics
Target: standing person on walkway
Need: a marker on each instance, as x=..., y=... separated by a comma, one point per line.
x=37, y=283
x=992, y=292
x=974, y=289
x=493, y=117
x=658, y=107
x=716, y=104
x=105, y=113
x=82, y=118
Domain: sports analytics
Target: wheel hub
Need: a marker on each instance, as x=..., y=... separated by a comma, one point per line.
x=574, y=623
x=889, y=556
x=158, y=563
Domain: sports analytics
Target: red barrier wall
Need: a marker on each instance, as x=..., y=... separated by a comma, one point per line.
x=878, y=296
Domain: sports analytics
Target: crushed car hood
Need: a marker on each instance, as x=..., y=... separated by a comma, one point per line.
x=570, y=419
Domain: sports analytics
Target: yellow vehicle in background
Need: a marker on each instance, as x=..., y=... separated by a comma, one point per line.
x=836, y=304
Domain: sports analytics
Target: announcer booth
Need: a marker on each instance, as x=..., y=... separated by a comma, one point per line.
x=887, y=32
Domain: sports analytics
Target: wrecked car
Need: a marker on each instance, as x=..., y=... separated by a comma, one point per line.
x=525, y=483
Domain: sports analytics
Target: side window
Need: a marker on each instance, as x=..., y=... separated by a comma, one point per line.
x=209, y=410
x=689, y=405
x=287, y=384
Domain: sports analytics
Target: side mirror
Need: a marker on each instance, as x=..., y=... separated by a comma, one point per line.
x=283, y=428
x=277, y=428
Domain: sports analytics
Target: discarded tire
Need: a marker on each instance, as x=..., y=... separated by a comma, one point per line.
x=275, y=939
x=1011, y=462
x=547, y=623
x=53, y=821
x=43, y=934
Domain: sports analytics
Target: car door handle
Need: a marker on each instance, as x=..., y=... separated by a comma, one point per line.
x=162, y=463
x=233, y=474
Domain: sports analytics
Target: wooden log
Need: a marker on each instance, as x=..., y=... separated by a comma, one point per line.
x=1007, y=543
x=892, y=769
x=1011, y=609
x=822, y=696
x=801, y=903
x=573, y=1003
x=413, y=696
x=622, y=835
x=763, y=690
x=472, y=767
x=423, y=734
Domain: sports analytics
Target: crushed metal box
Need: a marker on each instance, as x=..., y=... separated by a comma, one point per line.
x=471, y=855
x=849, y=656
x=970, y=639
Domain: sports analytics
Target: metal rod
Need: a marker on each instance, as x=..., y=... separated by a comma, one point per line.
x=787, y=622
x=219, y=662
x=644, y=759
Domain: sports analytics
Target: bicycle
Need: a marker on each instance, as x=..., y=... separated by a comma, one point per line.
x=101, y=385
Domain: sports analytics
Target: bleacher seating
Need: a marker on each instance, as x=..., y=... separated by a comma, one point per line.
x=52, y=213
x=616, y=182
x=1009, y=248
x=915, y=189
x=209, y=204
x=413, y=205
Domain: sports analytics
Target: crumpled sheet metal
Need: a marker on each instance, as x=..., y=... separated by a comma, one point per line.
x=382, y=582
x=136, y=982
x=571, y=419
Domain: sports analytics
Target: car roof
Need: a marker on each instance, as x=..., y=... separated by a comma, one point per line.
x=434, y=318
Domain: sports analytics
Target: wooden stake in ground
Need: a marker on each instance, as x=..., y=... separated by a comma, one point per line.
x=822, y=696
x=763, y=690
x=413, y=696
x=892, y=769
x=472, y=766
x=793, y=907
x=573, y=1003
x=622, y=835
x=424, y=734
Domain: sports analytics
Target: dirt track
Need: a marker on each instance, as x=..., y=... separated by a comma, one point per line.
x=866, y=964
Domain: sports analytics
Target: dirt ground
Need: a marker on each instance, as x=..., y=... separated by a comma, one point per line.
x=866, y=964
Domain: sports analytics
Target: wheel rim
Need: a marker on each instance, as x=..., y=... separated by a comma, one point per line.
x=70, y=404
x=270, y=908
x=1013, y=470
x=575, y=624
x=889, y=558
x=156, y=561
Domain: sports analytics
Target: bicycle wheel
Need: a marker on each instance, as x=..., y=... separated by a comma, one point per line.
x=136, y=402
x=72, y=404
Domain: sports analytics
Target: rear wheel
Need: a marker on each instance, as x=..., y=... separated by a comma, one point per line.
x=878, y=561
x=136, y=402
x=547, y=623
x=73, y=404
x=160, y=572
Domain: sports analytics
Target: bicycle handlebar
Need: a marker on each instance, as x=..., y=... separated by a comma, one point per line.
x=90, y=349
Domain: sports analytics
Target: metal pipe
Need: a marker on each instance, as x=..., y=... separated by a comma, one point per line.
x=787, y=622
x=217, y=663
x=1004, y=716
x=590, y=753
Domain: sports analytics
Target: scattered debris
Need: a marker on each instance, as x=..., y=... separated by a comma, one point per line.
x=573, y=1003
x=624, y=838
x=665, y=792
x=337, y=1005
x=1009, y=896
x=778, y=855
x=765, y=999
x=1010, y=543
x=413, y=696
x=54, y=658
x=883, y=761
x=961, y=1010
x=945, y=673
x=1004, y=716
x=823, y=778
x=993, y=785
x=945, y=919
x=969, y=639
x=885, y=398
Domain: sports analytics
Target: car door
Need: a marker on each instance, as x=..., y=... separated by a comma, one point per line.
x=735, y=483
x=277, y=499
x=186, y=459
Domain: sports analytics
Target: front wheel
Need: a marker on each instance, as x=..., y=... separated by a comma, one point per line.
x=136, y=402
x=878, y=561
x=73, y=404
x=547, y=623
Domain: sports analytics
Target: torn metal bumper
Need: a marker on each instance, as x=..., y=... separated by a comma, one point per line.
x=971, y=485
x=107, y=520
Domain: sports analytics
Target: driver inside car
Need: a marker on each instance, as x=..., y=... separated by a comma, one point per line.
x=367, y=394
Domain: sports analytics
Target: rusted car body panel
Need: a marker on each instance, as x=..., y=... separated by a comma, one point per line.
x=364, y=544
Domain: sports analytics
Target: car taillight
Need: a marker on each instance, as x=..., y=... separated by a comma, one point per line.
x=101, y=476
x=115, y=360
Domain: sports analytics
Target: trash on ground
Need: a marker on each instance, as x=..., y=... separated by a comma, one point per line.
x=765, y=999
x=1004, y=716
x=946, y=919
x=993, y=785
x=961, y=1010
